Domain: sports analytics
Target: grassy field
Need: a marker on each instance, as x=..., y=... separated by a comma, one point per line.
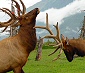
x=46, y=65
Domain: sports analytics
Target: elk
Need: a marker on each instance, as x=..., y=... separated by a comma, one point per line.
x=69, y=46
x=72, y=47
x=14, y=51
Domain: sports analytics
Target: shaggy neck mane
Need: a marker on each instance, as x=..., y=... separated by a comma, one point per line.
x=26, y=40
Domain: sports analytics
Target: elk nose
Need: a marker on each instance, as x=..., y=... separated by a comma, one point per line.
x=38, y=10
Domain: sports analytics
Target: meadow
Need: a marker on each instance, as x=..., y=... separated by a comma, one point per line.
x=46, y=65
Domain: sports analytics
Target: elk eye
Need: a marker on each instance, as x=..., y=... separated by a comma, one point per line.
x=67, y=43
x=68, y=50
x=26, y=18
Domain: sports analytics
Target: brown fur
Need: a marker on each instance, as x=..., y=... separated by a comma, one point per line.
x=14, y=51
x=72, y=47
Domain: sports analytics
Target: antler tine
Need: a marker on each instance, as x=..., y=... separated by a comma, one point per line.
x=24, y=8
x=10, y=12
x=4, y=29
x=10, y=21
x=45, y=27
x=58, y=32
x=54, y=51
x=18, y=7
x=58, y=45
x=58, y=55
x=42, y=27
x=50, y=36
x=3, y=24
x=5, y=10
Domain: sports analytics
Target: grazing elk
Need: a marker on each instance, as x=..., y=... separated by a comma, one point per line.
x=69, y=46
x=72, y=47
x=14, y=51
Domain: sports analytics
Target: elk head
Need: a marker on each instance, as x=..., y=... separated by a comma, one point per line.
x=31, y=15
x=67, y=48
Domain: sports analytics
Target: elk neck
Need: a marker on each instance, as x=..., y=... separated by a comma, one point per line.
x=27, y=35
x=79, y=46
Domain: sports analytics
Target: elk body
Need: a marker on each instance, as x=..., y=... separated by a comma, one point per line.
x=72, y=47
x=14, y=51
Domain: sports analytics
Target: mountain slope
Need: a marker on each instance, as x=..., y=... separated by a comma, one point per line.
x=46, y=4
x=71, y=24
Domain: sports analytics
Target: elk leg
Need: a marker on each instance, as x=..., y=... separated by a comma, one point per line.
x=22, y=71
x=18, y=70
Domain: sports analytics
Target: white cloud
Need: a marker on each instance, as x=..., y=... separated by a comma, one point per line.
x=7, y=3
x=57, y=15
x=40, y=32
x=30, y=2
x=68, y=29
x=74, y=31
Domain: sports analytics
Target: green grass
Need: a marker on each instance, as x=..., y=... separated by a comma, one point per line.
x=46, y=65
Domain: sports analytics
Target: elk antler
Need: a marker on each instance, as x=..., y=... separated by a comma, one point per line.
x=48, y=29
x=9, y=22
x=24, y=8
x=13, y=18
x=59, y=45
x=55, y=37
x=18, y=7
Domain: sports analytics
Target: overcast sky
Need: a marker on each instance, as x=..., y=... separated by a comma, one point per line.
x=57, y=15
x=7, y=3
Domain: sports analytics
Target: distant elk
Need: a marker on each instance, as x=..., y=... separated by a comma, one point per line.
x=72, y=47
x=69, y=46
x=14, y=51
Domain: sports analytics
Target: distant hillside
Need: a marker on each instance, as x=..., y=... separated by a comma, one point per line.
x=70, y=26
x=73, y=22
x=46, y=4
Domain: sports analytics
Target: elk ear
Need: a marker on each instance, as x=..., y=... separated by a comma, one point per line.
x=67, y=41
x=63, y=38
x=26, y=18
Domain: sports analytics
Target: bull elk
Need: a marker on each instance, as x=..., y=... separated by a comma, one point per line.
x=69, y=46
x=14, y=51
x=72, y=47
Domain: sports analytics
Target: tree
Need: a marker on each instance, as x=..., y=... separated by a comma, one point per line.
x=39, y=50
x=82, y=34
